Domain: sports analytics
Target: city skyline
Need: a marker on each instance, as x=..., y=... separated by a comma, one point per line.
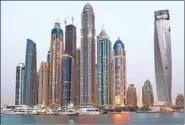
x=127, y=48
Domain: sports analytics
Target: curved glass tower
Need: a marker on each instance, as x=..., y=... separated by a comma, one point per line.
x=56, y=50
x=162, y=55
x=87, y=64
x=104, y=46
x=30, y=72
x=119, y=74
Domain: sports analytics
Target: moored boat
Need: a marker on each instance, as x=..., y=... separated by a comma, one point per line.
x=50, y=112
x=88, y=110
x=8, y=111
x=71, y=112
x=68, y=112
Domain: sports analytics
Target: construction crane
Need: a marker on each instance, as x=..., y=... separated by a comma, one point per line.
x=73, y=18
x=65, y=20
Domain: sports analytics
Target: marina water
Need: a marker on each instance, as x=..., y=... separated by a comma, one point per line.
x=127, y=118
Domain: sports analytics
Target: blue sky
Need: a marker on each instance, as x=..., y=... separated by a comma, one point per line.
x=132, y=21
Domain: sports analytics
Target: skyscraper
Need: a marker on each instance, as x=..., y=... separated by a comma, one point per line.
x=87, y=66
x=70, y=40
x=119, y=74
x=56, y=50
x=162, y=56
x=19, y=84
x=30, y=76
x=67, y=92
x=147, y=94
x=131, y=95
x=43, y=91
x=77, y=78
x=104, y=68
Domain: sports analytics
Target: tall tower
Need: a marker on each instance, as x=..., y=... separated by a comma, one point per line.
x=19, y=84
x=147, y=94
x=30, y=76
x=87, y=75
x=70, y=40
x=67, y=80
x=56, y=50
x=104, y=59
x=119, y=74
x=77, y=78
x=162, y=56
x=43, y=94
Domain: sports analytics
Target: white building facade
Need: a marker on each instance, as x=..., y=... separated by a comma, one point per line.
x=162, y=56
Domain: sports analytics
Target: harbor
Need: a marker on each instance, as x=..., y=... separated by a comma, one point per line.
x=77, y=111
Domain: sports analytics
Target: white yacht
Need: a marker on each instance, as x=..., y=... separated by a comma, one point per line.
x=62, y=112
x=50, y=112
x=88, y=110
x=47, y=112
x=25, y=110
x=68, y=112
x=71, y=112
x=8, y=111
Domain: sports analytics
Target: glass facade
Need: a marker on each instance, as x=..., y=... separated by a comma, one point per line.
x=19, y=84
x=48, y=56
x=104, y=69
x=30, y=96
x=66, y=80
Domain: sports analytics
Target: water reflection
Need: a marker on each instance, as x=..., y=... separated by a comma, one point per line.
x=157, y=115
x=175, y=114
x=131, y=118
x=70, y=122
x=120, y=118
x=63, y=120
x=85, y=120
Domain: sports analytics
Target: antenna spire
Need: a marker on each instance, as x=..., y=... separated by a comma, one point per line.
x=65, y=22
x=102, y=27
x=72, y=20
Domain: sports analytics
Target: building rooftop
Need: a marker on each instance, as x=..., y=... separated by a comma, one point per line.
x=103, y=34
x=118, y=43
x=87, y=8
x=147, y=82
